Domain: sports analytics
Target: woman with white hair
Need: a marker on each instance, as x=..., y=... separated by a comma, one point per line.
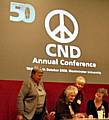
x=79, y=83
x=65, y=108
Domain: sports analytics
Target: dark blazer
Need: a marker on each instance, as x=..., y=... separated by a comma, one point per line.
x=62, y=109
x=79, y=97
x=91, y=109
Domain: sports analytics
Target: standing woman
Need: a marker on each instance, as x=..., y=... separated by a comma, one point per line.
x=98, y=103
x=32, y=97
x=79, y=83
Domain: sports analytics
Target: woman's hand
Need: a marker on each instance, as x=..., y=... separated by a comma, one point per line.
x=51, y=115
x=79, y=115
x=19, y=117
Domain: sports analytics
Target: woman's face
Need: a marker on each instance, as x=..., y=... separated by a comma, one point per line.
x=79, y=85
x=98, y=96
x=37, y=77
x=71, y=97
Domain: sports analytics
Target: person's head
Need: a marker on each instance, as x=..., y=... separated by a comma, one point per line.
x=36, y=74
x=101, y=94
x=71, y=92
x=80, y=82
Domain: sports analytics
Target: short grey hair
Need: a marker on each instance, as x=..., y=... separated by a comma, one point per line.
x=36, y=69
x=71, y=89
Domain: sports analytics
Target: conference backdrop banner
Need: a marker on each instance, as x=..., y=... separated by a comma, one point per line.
x=66, y=38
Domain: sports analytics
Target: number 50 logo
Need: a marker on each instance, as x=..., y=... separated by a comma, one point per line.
x=25, y=12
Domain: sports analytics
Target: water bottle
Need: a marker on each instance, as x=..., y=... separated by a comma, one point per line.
x=103, y=109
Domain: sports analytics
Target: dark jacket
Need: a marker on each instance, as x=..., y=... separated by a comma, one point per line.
x=79, y=97
x=91, y=109
x=62, y=109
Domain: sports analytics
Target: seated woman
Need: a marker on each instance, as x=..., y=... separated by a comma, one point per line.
x=98, y=104
x=80, y=81
x=66, y=106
